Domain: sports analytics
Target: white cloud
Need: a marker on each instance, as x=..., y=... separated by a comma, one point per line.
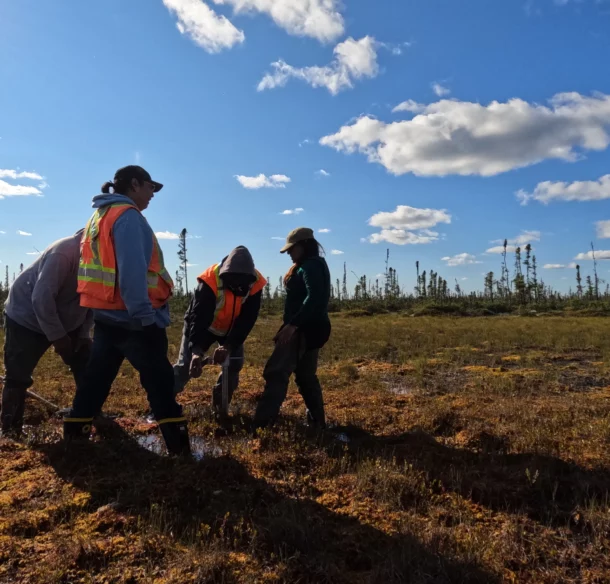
x=439, y=90
x=304, y=142
x=319, y=19
x=14, y=174
x=211, y=31
x=407, y=225
x=167, y=235
x=523, y=238
x=275, y=181
x=600, y=254
x=24, y=233
x=410, y=106
x=465, y=138
x=2, y=232
x=325, y=230
x=296, y=211
x=588, y=190
x=603, y=229
x=402, y=237
x=500, y=249
x=410, y=218
x=571, y=265
x=188, y=265
x=322, y=172
x=337, y=252
x=279, y=238
x=554, y=266
x=34, y=253
x=354, y=60
x=461, y=259
x=463, y=279
x=8, y=190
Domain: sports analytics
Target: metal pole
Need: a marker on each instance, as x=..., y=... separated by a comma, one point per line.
x=225, y=386
x=43, y=400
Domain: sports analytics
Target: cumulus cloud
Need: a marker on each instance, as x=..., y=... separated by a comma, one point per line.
x=410, y=106
x=15, y=174
x=318, y=19
x=354, y=60
x=20, y=190
x=439, y=90
x=275, y=181
x=167, y=235
x=600, y=254
x=547, y=192
x=407, y=225
x=500, y=249
x=322, y=172
x=296, y=211
x=523, y=238
x=336, y=252
x=465, y=138
x=325, y=230
x=603, y=229
x=24, y=233
x=460, y=259
x=207, y=29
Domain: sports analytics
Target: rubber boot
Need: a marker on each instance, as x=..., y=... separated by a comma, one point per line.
x=176, y=436
x=77, y=429
x=13, y=407
x=316, y=419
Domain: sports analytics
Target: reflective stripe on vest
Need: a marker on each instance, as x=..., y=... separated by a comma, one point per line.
x=97, y=274
x=228, y=306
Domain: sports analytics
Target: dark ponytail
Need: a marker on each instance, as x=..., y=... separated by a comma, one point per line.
x=120, y=187
x=106, y=187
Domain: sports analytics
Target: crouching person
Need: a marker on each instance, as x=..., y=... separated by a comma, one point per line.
x=43, y=311
x=223, y=310
x=122, y=277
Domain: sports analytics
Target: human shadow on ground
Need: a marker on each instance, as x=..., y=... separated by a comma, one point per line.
x=546, y=488
x=314, y=543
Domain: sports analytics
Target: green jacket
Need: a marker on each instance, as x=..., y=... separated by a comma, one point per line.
x=307, y=296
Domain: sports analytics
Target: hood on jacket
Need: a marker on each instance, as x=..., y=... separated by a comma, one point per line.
x=238, y=262
x=110, y=199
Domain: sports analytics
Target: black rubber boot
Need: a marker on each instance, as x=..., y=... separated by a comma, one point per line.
x=176, y=436
x=316, y=419
x=77, y=429
x=11, y=415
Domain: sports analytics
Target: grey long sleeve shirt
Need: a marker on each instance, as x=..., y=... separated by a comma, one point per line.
x=43, y=298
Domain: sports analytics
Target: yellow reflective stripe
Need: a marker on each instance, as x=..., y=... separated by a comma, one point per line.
x=170, y=420
x=78, y=420
x=97, y=274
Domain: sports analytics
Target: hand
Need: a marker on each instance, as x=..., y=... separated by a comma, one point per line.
x=83, y=344
x=220, y=355
x=285, y=335
x=196, y=367
x=64, y=348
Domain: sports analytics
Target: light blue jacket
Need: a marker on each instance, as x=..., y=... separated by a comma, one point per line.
x=133, y=246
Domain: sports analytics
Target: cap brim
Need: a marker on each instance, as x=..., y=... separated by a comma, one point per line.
x=286, y=247
x=158, y=186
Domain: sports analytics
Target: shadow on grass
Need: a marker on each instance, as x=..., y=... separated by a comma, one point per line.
x=544, y=487
x=310, y=542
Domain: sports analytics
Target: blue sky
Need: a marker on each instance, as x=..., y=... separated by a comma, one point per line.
x=440, y=126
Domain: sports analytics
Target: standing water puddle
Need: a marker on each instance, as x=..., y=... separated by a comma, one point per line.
x=199, y=447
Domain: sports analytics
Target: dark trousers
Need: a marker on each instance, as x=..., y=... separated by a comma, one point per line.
x=147, y=353
x=181, y=368
x=23, y=349
x=285, y=360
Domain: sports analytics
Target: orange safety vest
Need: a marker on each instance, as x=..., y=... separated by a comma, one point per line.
x=228, y=306
x=98, y=284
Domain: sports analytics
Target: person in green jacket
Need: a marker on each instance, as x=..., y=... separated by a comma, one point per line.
x=305, y=330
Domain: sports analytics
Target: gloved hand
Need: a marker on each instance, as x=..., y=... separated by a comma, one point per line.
x=220, y=355
x=196, y=366
x=64, y=348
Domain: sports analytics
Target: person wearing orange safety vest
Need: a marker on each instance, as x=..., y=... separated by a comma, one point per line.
x=122, y=277
x=223, y=310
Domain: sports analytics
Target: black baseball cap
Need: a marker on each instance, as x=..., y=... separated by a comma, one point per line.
x=137, y=172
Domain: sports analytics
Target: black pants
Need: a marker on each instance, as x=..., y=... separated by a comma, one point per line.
x=23, y=349
x=285, y=360
x=147, y=353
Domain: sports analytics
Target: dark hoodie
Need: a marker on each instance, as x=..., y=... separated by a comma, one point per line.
x=200, y=313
